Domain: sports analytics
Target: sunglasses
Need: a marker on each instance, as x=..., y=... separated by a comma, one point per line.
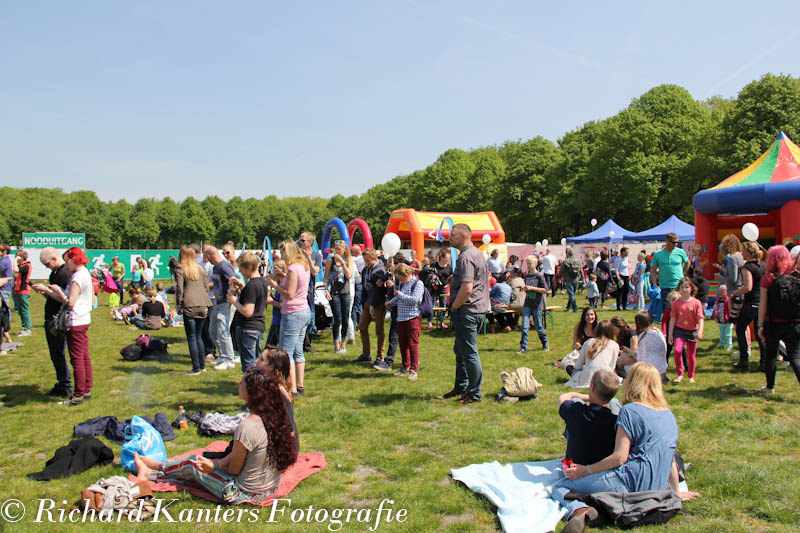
x=674, y=242
x=301, y=241
x=227, y=253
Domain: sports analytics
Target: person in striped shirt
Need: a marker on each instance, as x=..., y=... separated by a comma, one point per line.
x=407, y=297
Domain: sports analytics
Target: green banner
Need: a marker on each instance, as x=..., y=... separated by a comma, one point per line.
x=157, y=259
x=56, y=240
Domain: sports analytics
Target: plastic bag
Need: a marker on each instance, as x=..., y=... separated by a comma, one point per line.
x=113, y=299
x=144, y=439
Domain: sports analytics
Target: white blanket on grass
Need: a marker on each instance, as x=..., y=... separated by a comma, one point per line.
x=520, y=491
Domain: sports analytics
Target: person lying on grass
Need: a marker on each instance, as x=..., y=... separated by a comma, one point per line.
x=263, y=448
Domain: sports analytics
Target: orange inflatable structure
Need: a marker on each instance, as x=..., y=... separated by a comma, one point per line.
x=420, y=226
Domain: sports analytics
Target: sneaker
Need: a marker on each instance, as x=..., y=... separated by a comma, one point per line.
x=58, y=392
x=362, y=359
x=24, y=333
x=412, y=375
x=192, y=372
x=87, y=396
x=765, y=390
x=301, y=390
x=401, y=372
x=444, y=325
x=383, y=366
x=74, y=400
x=451, y=394
x=430, y=325
x=467, y=399
x=3, y=352
x=225, y=365
x=210, y=357
x=546, y=348
x=237, y=360
x=351, y=341
x=203, y=370
x=522, y=351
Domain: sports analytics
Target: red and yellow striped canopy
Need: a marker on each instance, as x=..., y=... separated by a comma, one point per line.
x=780, y=163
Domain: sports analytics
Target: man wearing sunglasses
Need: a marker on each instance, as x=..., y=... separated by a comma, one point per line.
x=668, y=266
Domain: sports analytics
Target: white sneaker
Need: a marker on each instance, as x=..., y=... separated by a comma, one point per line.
x=237, y=360
x=765, y=390
x=225, y=365
x=24, y=333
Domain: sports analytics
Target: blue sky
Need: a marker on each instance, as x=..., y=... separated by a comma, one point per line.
x=253, y=98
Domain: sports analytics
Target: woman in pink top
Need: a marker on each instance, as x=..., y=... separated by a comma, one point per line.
x=686, y=327
x=295, y=312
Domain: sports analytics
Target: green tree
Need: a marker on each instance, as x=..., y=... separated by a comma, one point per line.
x=143, y=230
x=763, y=109
x=195, y=224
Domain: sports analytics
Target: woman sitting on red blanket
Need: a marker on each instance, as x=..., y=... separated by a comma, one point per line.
x=263, y=448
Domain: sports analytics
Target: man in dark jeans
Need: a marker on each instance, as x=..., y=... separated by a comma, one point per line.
x=469, y=291
x=59, y=275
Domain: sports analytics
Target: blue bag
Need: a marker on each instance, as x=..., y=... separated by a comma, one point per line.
x=144, y=439
x=426, y=305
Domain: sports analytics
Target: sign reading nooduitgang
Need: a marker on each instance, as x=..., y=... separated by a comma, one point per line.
x=56, y=240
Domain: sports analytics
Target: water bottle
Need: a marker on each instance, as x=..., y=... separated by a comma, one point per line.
x=182, y=420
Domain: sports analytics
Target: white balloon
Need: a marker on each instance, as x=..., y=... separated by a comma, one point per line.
x=611, y=233
x=750, y=231
x=563, y=241
x=594, y=222
x=148, y=274
x=486, y=238
x=795, y=250
x=390, y=244
x=545, y=242
x=538, y=244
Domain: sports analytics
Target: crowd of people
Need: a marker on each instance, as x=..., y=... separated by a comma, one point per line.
x=223, y=300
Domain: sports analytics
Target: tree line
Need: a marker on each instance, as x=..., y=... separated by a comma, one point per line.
x=638, y=167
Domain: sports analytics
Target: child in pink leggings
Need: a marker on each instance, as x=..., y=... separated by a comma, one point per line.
x=686, y=327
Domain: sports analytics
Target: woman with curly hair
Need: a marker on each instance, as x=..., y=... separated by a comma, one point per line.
x=263, y=448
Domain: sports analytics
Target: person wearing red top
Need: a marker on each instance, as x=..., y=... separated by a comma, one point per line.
x=772, y=329
x=686, y=327
x=22, y=292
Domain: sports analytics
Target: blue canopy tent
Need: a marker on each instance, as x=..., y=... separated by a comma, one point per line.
x=673, y=224
x=602, y=234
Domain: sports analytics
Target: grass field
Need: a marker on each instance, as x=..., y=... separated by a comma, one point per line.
x=384, y=437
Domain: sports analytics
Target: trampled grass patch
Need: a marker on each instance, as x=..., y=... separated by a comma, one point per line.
x=387, y=438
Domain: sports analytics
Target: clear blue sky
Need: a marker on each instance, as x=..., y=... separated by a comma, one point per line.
x=155, y=98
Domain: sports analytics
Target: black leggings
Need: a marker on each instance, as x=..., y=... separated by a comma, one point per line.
x=789, y=333
x=622, y=293
x=602, y=285
x=747, y=315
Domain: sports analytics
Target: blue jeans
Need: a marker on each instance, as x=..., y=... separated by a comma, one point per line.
x=293, y=330
x=529, y=311
x=220, y=330
x=664, y=298
x=56, y=346
x=640, y=295
x=356, y=307
x=572, y=287
x=394, y=337
x=469, y=373
x=312, y=284
x=601, y=482
x=249, y=343
x=194, y=336
x=340, y=306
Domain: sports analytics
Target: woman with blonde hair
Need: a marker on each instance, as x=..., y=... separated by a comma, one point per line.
x=644, y=450
x=339, y=270
x=295, y=311
x=731, y=269
x=191, y=300
x=752, y=272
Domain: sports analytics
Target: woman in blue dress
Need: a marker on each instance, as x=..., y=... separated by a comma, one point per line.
x=644, y=451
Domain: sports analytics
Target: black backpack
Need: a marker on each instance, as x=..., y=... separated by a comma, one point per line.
x=783, y=297
x=132, y=352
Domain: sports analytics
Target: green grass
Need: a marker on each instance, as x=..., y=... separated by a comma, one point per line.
x=384, y=437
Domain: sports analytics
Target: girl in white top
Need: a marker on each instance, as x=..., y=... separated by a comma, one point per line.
x=597, y=353
x=651, y=349
x=79, y=298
